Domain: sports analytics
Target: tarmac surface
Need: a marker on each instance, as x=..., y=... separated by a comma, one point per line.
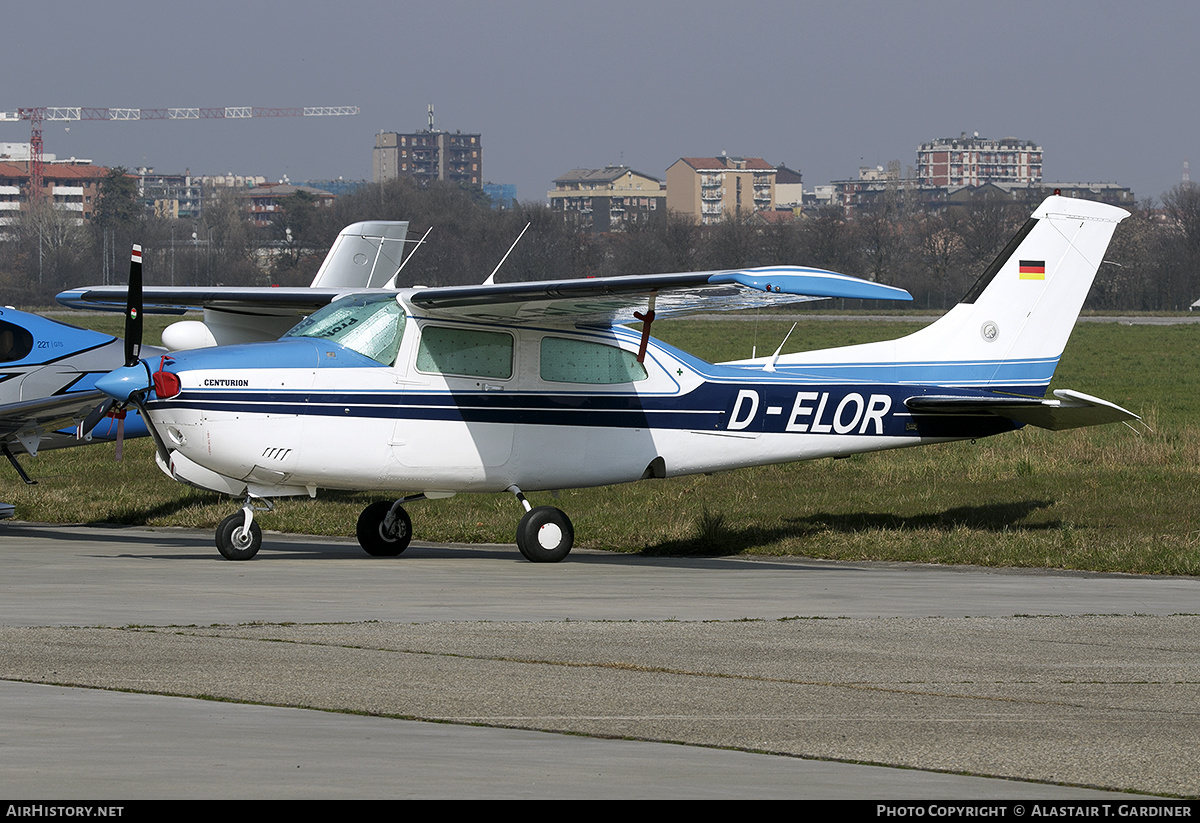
x=136, y=663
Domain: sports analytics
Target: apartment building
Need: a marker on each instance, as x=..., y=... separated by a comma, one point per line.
x=71, y=186
x=712, y=189
x=974, y=160
x=607, y=199
x=428, y=155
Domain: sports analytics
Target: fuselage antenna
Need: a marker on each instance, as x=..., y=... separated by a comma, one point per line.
x=491, y=278
x=770, y=365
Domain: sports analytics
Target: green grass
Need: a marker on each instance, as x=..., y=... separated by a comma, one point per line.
x=1102, y=499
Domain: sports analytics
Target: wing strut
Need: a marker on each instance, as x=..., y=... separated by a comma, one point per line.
x=12, y=458
x=646, y=319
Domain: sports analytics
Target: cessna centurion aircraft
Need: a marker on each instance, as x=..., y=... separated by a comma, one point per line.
x=534, y=386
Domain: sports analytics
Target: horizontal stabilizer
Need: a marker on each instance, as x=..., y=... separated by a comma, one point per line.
x=1071, y=410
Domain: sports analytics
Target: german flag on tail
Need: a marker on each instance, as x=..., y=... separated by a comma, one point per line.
x=1033, y=270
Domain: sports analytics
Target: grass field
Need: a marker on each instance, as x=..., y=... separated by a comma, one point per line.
x=1101, y=499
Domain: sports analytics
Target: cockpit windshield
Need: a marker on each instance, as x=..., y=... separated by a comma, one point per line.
x=370, y=324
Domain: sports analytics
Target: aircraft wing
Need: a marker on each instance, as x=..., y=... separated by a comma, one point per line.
x=48, y=413
x=582, y=301
x=1071, y=410
x=300, y=300
x=604, y=300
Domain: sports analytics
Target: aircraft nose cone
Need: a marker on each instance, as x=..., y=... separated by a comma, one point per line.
x=120, y=383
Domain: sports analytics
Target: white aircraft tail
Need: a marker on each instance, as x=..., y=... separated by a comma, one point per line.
x=1010, y=330
x=365, y=255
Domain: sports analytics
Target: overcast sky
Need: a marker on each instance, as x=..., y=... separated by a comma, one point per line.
x=1108, y=89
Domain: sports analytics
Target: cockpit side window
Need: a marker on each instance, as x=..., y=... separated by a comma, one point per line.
x=15, y=342
x=465, y=352
x=372, y=325
x=569, y=360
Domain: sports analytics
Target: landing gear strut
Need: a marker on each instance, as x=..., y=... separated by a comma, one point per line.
x=238, y=536
x=545, y=534
x=384, y=529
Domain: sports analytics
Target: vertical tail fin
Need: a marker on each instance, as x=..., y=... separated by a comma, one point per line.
x=1009, y=331
x=365, y=255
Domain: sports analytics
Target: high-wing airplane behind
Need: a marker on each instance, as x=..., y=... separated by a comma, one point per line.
x=523, y=387
x=48, y=369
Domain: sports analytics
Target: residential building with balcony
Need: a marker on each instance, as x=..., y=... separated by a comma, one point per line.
x=712, y=189
x=170, y=195
x=263, y=204
x=72, y=186
x=428, y=155
x=974, y=160
x=608, y=199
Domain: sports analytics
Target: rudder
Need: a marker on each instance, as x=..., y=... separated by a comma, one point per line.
x=1010, y=330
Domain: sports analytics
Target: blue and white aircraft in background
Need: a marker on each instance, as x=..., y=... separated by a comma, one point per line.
x=48, y=372
x=521, y=387
x=48, y=369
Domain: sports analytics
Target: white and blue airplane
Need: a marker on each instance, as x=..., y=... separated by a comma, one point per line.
x=520, y=387
x=48, y=398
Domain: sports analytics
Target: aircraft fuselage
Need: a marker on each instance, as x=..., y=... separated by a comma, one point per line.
x=318, y=415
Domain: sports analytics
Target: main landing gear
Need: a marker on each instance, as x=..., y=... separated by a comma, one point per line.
x=544, y=535
x=384, y=529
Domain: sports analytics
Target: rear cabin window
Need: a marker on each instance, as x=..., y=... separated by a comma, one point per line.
x=372, y=325
x=465, y=352
x=566, y=360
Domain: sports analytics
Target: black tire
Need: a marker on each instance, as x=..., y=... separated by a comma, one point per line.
x=233, y=543
x=374, y=539
x=545, y=535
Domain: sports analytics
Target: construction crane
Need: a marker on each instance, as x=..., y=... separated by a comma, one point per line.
x=38, y=115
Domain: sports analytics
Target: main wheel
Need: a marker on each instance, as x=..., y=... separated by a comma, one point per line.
x=545, y=535
x=378, y=541
x=236, y=543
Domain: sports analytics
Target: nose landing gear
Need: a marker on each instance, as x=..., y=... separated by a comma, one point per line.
x=238, y=536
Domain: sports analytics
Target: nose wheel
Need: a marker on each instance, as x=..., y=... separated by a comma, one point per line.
x=238, y=539
x=238, y=536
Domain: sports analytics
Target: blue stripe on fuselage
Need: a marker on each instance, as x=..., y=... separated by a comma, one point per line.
x=839, y=399
x=749, y=408
x=1029, y=376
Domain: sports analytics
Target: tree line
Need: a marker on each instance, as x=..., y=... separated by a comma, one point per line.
x=1153, y=263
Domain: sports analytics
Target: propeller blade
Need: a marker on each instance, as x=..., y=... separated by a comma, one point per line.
x=94, y=417
x=133, y=309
